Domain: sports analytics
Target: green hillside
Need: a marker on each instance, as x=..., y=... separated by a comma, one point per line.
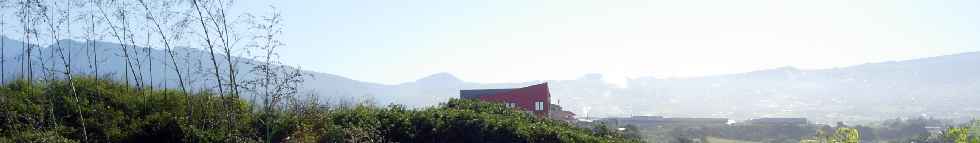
x=107, y=111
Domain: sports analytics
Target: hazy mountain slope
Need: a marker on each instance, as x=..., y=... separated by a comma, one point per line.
x=945, y=86
x=195, y=66
x=941, y=86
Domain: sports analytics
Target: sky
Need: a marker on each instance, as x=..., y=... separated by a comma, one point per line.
x=397, y=41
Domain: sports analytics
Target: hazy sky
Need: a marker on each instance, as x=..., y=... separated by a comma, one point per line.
x=396, y=41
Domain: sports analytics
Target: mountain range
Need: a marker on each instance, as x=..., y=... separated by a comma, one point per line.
x=941, y=87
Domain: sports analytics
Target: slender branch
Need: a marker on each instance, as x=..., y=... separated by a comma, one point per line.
x=207, y=38
x=67, y=66
x=166, y=45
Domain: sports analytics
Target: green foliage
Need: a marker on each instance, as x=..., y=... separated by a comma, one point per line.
x=841, y=135
x=961, y=134
x=952, y=134
x=956, y=135
x=847, y=135
x=457, y=121
x=115, y=112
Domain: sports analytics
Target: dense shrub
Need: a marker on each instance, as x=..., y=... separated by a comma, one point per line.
x=115, y=112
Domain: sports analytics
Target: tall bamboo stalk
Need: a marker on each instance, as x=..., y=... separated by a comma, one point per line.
x=207, y=38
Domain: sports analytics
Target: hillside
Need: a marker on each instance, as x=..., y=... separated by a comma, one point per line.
x=194, y=64
x=107, y=111
x=940, y=87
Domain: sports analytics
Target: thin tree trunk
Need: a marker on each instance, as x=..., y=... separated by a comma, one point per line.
x=221, y=26
x=166, y=45
x=121, y=40
x=66, y=62
x=134, y=68
x=207, y=38
x=3, y=51
x=94, y=62
x=27, y=22
x=221, y=30
x=149, y=60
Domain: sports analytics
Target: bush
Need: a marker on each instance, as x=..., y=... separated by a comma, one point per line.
x=107, y=111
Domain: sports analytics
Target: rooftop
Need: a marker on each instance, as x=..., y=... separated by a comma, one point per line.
x=476, y=93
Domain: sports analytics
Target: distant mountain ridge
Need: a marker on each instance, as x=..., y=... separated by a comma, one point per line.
x=944, y=86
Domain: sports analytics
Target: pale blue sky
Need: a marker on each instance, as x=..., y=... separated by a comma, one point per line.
x=396, y=41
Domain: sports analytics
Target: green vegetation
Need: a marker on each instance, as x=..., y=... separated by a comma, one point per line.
x=956, y=135
x=961, y=134
x=842, y=135
x=115, y=112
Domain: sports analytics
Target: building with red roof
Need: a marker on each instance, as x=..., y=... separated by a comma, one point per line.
x=534, y=98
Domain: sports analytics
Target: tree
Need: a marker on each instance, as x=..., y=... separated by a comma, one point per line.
x=847, y=135
x=166, y=43
x=93, y=53
x=956, y=135
x=224, y=31
x=26, y=13
x=843, y=134
x=54, y=26
x=121, y=35
x=207, y=39
x=274, y=81
x=3, y=44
